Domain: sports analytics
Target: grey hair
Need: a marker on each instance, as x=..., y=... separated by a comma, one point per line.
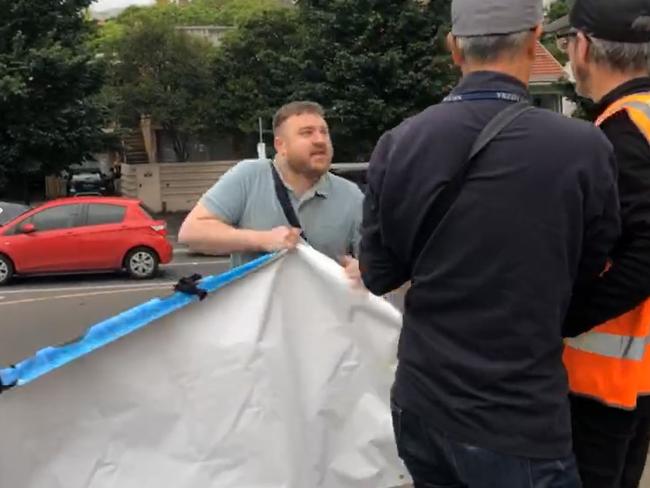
x=621, y=56
x=484, y=49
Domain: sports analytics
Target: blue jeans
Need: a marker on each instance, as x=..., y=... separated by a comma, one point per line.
x=435, y=461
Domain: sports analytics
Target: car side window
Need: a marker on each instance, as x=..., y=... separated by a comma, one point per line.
x=99, y=214
x=13, y=230
x=62, y=217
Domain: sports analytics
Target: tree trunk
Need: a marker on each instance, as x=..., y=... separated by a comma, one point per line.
x=26, y=196
x=180, y=146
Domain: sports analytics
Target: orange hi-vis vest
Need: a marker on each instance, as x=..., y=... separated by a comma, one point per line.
x=611, y=363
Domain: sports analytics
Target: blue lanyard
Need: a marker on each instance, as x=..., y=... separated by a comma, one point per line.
x=485, y=95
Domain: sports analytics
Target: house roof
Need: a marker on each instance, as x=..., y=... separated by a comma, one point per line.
x=546, y=69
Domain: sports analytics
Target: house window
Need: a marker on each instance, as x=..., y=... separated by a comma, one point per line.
x=548, y=101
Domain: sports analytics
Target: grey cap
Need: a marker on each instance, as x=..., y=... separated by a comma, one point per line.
x=491, y=17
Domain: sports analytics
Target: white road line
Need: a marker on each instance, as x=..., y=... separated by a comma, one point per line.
x=186, y=251
x=77, y=295
x=195, y=263
x=10, y=291
x=160, y=284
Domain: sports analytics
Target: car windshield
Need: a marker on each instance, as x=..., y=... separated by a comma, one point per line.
x=86, y=176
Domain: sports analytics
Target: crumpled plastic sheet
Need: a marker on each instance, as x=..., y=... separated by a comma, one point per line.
x=279, y=379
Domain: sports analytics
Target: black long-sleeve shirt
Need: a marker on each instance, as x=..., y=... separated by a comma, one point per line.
x=480, y=353
x=627, y=283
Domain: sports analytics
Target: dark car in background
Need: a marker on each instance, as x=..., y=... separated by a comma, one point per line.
x=87, y=182
x=89, y=178
x=355, y=172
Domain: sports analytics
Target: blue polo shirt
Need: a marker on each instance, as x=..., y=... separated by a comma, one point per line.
x=330, y=212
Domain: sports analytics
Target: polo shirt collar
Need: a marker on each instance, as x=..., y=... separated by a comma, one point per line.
x=321, y=188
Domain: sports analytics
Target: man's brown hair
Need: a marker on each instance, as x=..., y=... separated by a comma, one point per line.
x=295, y=108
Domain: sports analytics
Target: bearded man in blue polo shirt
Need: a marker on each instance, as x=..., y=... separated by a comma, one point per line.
x=243, y=214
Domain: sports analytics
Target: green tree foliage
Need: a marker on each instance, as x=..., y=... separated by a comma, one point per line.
x=556, y=10
x=373, y=63
x=195, y=13
x=158, y=71
x=237, y=12
x=163, y=73
x=258, y=68
x=48, y=80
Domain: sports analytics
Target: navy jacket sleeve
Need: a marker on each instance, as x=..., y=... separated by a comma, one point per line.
x=627, y=283
x=602, y=228
x=380, y=270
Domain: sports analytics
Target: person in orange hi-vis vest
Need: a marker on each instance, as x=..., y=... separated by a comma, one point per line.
x=608, y=325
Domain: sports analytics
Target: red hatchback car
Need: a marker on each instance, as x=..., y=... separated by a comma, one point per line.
x=84, y=234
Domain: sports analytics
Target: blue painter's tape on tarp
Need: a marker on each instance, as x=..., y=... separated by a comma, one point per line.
x=8, y=376
x=51, y=358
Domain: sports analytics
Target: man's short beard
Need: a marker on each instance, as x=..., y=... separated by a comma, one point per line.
x=302, y=167
x=583, y=80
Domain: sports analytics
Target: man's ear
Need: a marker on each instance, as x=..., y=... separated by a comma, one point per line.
x=278, y=144
x=532, y=45
x=456, y=53
x=582, y=46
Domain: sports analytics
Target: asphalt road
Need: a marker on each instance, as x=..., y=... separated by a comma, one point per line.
x=45, y=311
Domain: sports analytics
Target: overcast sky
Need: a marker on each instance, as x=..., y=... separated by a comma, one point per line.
x=100, y=5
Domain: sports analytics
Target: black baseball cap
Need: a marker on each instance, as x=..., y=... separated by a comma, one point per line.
x=609, y=20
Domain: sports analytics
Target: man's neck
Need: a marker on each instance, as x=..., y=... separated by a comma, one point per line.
x=519, y=71
x=602, y=83
x=299, y=183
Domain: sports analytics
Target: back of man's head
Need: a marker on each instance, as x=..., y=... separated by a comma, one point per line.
x=489, y=31
x=618, y=31
x=608, y=43
x=623, y=57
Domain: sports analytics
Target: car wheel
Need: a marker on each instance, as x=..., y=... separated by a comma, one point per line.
x=142, y=263
x=6, y=270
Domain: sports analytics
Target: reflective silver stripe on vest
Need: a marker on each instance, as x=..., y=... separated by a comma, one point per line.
x=643, y=107
x=610, y=345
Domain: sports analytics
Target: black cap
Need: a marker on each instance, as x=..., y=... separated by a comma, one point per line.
x=609, y=20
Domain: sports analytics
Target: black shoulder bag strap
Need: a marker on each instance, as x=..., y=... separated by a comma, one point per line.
x=443, y=203
x=285, y=202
